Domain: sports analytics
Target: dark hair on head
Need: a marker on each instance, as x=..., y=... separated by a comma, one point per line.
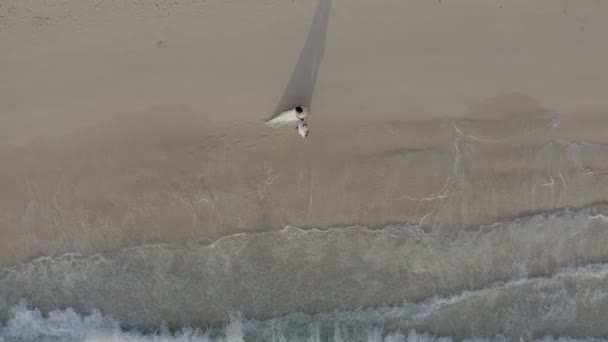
x=299, y=109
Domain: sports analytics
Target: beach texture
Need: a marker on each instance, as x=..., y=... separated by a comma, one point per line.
x=454, y=182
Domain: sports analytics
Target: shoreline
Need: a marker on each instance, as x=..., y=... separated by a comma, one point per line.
x=179, y=178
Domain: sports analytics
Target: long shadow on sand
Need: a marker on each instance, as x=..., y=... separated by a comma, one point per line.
x=301, y=84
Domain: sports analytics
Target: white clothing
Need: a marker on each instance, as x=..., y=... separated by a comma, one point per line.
x=302, y=130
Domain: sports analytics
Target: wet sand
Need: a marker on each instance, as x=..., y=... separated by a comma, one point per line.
x=144, y=123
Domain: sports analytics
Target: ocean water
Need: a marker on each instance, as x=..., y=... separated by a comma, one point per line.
x=28, y=324
x=539, y=277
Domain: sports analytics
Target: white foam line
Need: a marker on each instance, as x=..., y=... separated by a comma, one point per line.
x=498, y=141
x=590, y=173
x=423, y=199
x=596, y=271
x=565, y=142
x=548, y=183
x=563, y=180
x=421, y=221
x=406, y=227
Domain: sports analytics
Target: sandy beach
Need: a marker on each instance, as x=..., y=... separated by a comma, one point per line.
x=130, y=124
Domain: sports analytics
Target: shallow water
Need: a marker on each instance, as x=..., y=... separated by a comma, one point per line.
x=534, y=276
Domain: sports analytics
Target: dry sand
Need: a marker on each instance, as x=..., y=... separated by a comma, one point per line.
x=124, y=123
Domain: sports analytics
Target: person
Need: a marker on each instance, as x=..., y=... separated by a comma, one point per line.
x=303, y=128
x=288, y=116
x=301, y=112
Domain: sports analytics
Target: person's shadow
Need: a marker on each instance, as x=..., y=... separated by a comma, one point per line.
x=300, y=87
